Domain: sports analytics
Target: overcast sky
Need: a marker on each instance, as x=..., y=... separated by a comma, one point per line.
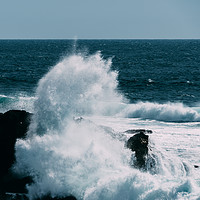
x=100, y=19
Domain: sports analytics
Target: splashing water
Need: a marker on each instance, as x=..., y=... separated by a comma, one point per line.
x=19, y=101
x=76, y=86
x=67, y=157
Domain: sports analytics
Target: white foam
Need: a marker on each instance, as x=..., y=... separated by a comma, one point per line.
x=74, y=87
x=169, y=112
x=17, y=102
x=80, y=158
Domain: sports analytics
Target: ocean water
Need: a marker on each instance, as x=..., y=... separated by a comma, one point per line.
x=84, y=94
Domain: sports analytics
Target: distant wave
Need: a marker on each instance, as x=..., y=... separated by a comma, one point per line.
x=2, y=96
x=17, y=101
x=169, y=112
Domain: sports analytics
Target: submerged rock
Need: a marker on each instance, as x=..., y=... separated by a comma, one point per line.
x=48, y=197
x=13, y=196
x=22, y=196
x=138, y=143
x=134, y=131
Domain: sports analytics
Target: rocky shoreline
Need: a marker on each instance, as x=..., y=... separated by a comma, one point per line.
x=14, y=125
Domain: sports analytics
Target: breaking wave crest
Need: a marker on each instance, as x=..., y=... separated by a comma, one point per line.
x=170, y=112
x=77, y=86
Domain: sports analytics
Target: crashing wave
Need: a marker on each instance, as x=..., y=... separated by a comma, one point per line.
x=170, y=112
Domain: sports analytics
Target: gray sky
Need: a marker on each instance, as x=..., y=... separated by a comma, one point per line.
x=99, y=19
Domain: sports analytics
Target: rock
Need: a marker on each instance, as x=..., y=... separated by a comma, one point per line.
x=48, y=197
x=13, y=125
x=22, y=196
x=12, y=183
x=15, y=122
x=134, y=131
x=13, y=196
x=139, y=144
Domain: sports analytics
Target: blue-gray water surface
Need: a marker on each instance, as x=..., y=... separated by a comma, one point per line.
x=89, y=159
x=149, y=70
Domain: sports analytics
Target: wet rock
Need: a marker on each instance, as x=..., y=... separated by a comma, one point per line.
x=13, y=125
x=22, y=196
x=48, y=197
x=13, y=196
x=138, y=143
x=135, y=131
x=13, y=183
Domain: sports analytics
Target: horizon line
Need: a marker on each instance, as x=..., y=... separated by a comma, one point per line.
x=99, y=38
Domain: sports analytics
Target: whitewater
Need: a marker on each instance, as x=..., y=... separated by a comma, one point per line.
x=76, y=141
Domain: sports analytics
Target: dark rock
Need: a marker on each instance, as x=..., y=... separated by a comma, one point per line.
x=139, y=144
x=196, y=166
x=15, y=122
x=22, y=196
x=48, y=197
x=13, y=196
x=12, y=183
x=13, y=125
x=134, y=131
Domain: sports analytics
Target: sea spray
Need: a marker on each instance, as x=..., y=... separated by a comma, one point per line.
x=58, y=152
x=66, y=156
x=76, y=86
x=18, y=101
x=85, y=161
x=71, y=161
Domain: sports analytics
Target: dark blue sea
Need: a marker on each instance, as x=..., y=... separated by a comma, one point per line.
x=149, y=70
x=114, y=85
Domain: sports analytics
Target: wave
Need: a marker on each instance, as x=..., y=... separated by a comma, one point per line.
x=85, y=161
x=169, y=112
x=78, y=85
x=16, y=102
x=76, y=157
